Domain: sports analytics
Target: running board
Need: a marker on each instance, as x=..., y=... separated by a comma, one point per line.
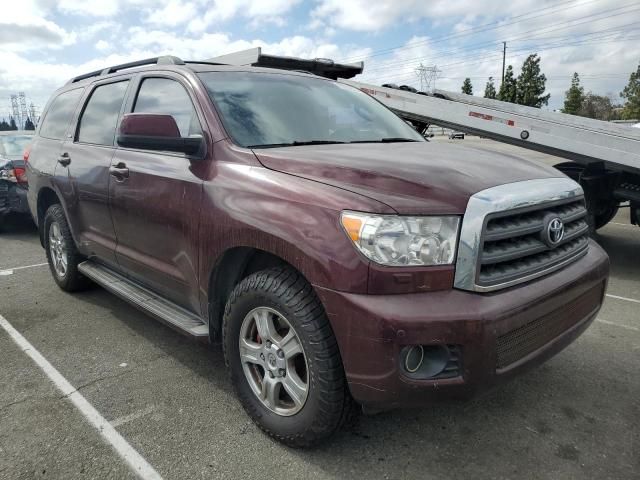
x=147, y=301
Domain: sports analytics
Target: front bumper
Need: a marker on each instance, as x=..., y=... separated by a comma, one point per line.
x=13, y=198
x=371, y=331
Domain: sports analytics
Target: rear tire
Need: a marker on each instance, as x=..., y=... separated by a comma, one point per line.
x=62, y=254
x=284, y=301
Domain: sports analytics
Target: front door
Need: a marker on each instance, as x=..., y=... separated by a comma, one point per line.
x=155, y=200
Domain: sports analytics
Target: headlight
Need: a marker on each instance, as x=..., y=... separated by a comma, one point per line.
x=403, y=241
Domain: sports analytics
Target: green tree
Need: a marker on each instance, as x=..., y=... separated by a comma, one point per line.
x=12, y=124
x=490, y=89
x=28, y=124
x=573, y=97
x=531, y=84
x=467, y=87
x=508, y=90
x=596, y=106
x=4, y=126
x=631, y=94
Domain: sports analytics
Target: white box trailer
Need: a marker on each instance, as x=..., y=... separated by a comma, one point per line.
x=603, y=157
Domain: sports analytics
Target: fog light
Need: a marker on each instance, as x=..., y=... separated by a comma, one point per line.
x=413, y=359
x=424, y=361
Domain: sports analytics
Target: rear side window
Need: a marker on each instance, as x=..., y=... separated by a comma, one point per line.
x=100, y=116
x=168, y=97
x=59, y=115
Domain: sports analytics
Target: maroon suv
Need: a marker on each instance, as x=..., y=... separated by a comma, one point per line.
x=340, y=257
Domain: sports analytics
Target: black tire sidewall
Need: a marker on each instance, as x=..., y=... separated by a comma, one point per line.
x=283, y=425
x=72, y=278
x=328, y=405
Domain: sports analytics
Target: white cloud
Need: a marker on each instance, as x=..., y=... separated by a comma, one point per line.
x=102, y=46
x=103, y=8
x=258, y=12
x=195, y=29
x=365, y=15
x=175, y=12
x=24, y=27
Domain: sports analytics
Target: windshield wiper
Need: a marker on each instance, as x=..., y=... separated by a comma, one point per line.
x=296, y=143
x=387, y=140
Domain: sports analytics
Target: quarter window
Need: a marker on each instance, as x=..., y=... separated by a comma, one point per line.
x=100, y=116
x=168, y=97
x=59, y=114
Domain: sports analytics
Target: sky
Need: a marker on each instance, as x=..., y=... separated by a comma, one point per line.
x=43, y=43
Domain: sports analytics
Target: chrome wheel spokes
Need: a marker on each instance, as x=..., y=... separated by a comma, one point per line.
x=273, y=361
x=58, y=250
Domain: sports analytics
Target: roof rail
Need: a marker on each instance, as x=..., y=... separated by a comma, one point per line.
x=163, y=60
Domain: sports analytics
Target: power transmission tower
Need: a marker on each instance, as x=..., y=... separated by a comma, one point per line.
x=15, y=111
x=23, y=109
x=428, y=77
x=34, y=114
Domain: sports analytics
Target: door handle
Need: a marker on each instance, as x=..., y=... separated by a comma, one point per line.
x=119, y=171
x=64, y=159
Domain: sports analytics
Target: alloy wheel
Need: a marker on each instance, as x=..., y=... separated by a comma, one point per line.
x=273, y=361
x=58, y=250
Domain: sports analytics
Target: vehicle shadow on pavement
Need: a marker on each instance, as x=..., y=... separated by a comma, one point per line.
x=17, y=225
x=622, y=248
x=205, y=360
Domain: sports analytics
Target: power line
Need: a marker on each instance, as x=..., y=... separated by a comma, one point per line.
x=479, y=57
x=617, y=30
x=547, y=29
x=523, y=52
x=474, y=30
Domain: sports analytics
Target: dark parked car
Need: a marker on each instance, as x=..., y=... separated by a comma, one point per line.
x=13, y=179
x=341, y=259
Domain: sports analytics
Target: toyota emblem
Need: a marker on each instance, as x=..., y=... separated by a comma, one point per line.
x=554, y=232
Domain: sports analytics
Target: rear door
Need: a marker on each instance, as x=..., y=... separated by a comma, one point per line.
x=46, y=146
x=155, y=207
x=83, y=170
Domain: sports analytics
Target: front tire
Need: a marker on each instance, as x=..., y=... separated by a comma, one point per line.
x=62, y=254
x=283, y=358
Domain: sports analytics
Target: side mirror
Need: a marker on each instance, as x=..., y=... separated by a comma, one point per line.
x=152, y=131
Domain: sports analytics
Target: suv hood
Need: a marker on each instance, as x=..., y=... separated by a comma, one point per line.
x=412, y=178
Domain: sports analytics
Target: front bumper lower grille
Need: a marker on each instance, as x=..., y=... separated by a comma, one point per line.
x=518, y=343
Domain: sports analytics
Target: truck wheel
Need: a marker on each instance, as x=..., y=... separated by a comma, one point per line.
x=599, y=217
x=603, y=217
x=62, y=255
x=283, y=358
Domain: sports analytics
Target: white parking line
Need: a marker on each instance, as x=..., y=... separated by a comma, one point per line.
x=623, y=224
x=133, y=459
x=628, y=327
x=9, y=271
x=623, y=298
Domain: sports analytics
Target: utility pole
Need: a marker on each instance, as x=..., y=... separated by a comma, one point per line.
x=504, y=57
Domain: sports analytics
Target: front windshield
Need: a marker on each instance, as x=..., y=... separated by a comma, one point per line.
x=14, y=146
x=272, y=109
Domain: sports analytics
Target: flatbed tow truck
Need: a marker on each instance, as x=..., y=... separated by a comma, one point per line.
x=603, y=157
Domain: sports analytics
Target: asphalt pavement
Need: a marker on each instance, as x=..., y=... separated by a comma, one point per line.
x=577, y=416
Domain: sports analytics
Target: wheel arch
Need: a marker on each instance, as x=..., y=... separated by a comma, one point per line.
x=46, y=197
x=232, y=267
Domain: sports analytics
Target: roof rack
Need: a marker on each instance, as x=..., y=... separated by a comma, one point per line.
x=163, y=60
x=319, y=66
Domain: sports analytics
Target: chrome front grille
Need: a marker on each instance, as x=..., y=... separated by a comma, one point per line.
x=513, y=242
x=503, y=240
